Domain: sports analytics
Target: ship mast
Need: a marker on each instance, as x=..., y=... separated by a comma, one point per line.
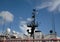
x=33, y=24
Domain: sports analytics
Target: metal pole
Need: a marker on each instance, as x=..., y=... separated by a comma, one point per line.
x=53, y=25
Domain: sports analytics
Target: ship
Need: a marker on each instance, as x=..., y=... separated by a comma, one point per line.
x=34, y=36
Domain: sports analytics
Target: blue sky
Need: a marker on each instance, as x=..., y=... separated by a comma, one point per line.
x=16, y=13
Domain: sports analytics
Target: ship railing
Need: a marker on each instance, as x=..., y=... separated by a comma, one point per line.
x=30, y=40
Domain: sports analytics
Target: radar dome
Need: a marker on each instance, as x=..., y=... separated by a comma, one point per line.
x=13, y=32
x=8, y=30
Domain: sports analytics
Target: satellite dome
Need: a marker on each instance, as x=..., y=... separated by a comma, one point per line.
x=8, y=30
x=13, y=32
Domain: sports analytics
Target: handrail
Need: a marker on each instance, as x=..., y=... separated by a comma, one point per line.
x=30, y=40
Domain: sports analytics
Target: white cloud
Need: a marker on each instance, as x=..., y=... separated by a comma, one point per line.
x=43, y=5
x=7, y=16
x=50, y=5
x=20, y=18
x=1, y=21
x=30, y=2
x=23, y=27
x=29, y=19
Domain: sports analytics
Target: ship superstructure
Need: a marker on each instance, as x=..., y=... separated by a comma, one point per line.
x=35, y=35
